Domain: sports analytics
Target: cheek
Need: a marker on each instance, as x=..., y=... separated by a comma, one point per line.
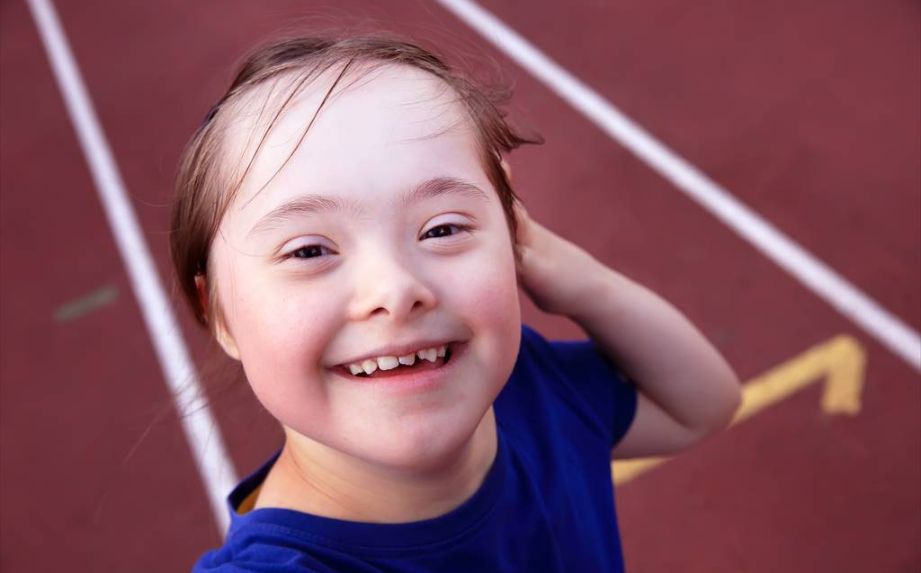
x=282, y=349
x=491, y=283
x=289, y=327
x=486, y=293
x=281, y=332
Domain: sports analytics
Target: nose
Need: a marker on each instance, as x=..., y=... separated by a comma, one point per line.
x=390, y=288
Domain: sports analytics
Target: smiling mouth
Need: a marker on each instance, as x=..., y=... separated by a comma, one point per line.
x=420, y=365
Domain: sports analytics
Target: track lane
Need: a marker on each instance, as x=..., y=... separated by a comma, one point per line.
x=89, y=468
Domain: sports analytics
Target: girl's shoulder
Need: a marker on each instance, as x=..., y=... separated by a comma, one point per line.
x=572, y=381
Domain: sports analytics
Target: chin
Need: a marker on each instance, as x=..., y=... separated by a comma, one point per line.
x=426, y=448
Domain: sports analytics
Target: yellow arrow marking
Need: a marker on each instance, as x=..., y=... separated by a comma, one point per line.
x=840, y=362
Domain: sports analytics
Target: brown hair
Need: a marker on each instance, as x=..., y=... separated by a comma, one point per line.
x=205, y=186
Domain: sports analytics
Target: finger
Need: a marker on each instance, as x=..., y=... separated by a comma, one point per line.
x=523, y=234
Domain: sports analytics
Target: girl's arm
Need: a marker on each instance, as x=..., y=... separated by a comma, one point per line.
x=687, y=391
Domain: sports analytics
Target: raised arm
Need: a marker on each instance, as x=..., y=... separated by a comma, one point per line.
x=687, y=391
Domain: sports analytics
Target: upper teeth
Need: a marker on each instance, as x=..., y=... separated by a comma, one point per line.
x=369, y=365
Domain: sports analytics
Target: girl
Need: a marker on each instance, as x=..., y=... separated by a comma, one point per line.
x=345, y=227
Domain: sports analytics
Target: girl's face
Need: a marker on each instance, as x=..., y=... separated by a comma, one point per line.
x=381, y=230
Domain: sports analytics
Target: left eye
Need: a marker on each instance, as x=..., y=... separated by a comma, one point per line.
x=308, y=252
x=445, y=230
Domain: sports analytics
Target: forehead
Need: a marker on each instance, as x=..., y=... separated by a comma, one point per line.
x=379, y=131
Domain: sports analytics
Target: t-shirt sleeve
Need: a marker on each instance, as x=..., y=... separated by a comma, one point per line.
x=596, y=388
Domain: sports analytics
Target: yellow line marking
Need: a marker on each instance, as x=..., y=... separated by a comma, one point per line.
x=840, y=363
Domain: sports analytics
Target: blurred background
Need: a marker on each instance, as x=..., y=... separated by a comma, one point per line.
x=755, y=163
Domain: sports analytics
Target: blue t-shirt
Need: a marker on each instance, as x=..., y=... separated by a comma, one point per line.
x=546, y=504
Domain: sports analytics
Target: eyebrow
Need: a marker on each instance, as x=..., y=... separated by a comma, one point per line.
x=313, y=204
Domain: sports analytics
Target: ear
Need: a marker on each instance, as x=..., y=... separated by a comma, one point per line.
x=221, y=333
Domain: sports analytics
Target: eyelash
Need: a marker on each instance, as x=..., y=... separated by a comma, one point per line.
x=293, y=254
x=460, y=229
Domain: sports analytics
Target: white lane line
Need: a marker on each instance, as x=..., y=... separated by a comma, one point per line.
x=888, y=329
x=200, y=428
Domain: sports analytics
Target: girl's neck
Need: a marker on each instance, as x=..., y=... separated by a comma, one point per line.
x=349, y=490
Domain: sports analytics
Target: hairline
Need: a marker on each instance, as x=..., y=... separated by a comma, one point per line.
x=282, y=104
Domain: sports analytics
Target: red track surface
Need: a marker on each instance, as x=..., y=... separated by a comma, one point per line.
x=808, y=113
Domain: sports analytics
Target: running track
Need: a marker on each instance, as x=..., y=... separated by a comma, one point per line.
x=807, y=113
